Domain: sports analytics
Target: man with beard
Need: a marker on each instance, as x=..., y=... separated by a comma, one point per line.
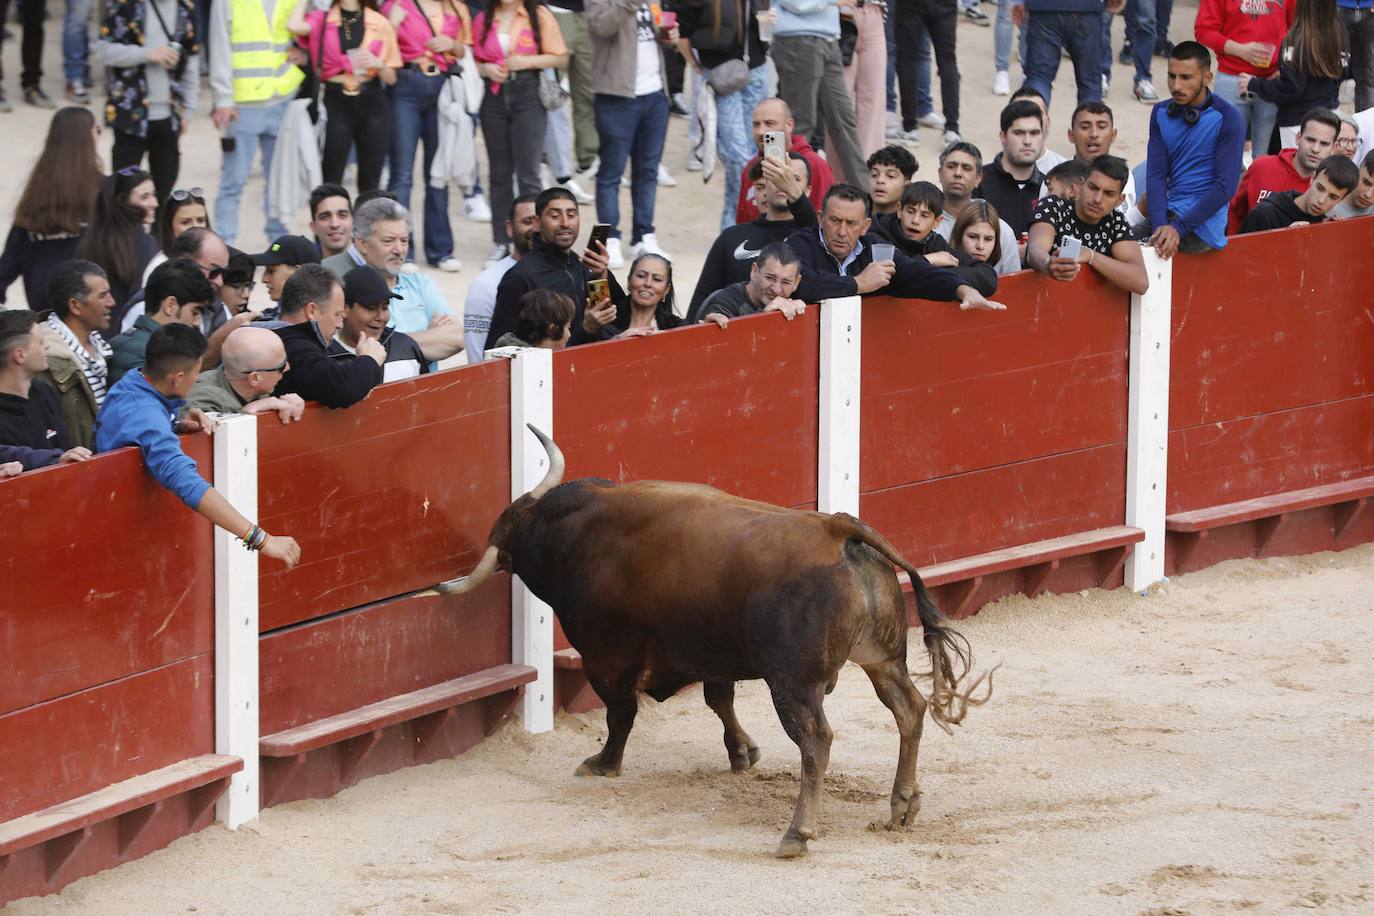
x=381, y=233
x=521, y=227
x=1011, y=182
x=961, y=170
x=1092, y=218
x=1290, y=170
x=551, y=264
x=784, y=192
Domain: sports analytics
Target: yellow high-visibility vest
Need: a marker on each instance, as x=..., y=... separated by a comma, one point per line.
x=258, y=48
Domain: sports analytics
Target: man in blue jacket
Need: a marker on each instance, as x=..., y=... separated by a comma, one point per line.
x=141, y=410
x=837, y=259
x=1194, y=161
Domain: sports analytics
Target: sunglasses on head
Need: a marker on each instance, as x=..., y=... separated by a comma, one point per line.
x=128, y=171
x=182, y=194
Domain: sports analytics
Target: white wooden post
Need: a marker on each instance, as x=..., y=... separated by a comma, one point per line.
x=837, y=469
x=236, y=621
x=531, y=401
x=1147, y=443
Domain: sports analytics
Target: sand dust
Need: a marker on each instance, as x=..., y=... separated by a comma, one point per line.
x=1203, y=750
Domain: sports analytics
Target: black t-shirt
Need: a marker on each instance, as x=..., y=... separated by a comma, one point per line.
x=35, y=421
x=350, y=30
x=1277, y=210
x=1063, y=216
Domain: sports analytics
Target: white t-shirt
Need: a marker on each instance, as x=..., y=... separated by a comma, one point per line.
x=648, y=76
x=1365, y=121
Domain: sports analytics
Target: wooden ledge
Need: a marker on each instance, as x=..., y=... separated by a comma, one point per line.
x=567, y=659
x=374, y=717
x=1249, y=510
x=75, y=817
x=1035, y=553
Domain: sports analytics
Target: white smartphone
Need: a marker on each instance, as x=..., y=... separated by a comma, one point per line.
x=1070, y=247
x=773, y=148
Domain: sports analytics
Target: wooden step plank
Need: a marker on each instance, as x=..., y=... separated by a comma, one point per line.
x=114, y=800
x=1022, y=555
x=394, y=710
x=569, y=659
x=1248, y=510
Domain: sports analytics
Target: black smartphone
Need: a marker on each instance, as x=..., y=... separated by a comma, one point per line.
x=600, y=233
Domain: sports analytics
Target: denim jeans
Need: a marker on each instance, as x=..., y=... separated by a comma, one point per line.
x=631, y=131
x=558, y=142
x=1001, y=38
x=256, y=128
x=1081, y=34
x=1140, y=32
x=1359, y=27
x=76, y=65
x=735, y=135
x=924, y=104
x=1259, y=114
x=921, y=21
x=415, y=119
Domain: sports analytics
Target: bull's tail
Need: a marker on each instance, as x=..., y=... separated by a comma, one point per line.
x=951, y=659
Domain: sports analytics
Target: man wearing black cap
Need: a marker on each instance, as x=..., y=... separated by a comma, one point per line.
x=312, y=303
x=367, y=312
x=281, y=259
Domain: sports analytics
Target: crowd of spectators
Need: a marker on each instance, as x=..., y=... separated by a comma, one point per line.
x=140, y=323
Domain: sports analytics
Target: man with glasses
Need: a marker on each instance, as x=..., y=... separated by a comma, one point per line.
x=252, y=363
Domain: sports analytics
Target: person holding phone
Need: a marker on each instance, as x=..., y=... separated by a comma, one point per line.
x=354, y=54
x=153, y=52
x=1067, y=234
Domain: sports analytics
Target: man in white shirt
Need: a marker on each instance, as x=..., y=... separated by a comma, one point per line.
x=521, y=227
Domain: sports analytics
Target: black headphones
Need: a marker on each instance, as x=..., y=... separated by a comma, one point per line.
x=1189, y=114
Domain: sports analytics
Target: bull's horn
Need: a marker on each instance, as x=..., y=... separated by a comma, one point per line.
x=485, y=567
x=555, y=475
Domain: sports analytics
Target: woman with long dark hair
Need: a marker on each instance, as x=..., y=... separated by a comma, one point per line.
x=512, y=41
x=117, y=236
x=55, y=205
x=650, y=291
x=1313, y=59
x=353, y=52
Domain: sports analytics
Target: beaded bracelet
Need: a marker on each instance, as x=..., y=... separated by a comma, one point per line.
x=254, y=538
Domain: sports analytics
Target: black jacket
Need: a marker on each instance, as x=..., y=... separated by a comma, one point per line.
x=33, y=257
x=1013, y=199
x=821, y=279
x=714, y=46
x=545, y=267
x=734, y=251
x=34, y=422
x=1296, y=91
x=30, y=458
x=334, y=381
x=1278, y=210
x=981, y=275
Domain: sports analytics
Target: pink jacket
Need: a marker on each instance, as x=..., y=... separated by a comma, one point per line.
x=323, y=42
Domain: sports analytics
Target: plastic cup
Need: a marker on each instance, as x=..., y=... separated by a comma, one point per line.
x=882, y=251
x=667, y=22
x=355, y=60
x=765, y=21
x=1271, y=50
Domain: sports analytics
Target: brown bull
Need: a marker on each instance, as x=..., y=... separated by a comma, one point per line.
x=659, y=585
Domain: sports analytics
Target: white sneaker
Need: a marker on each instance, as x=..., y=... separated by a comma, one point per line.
x=648, y=245
x=952, y=136
x=475, y=208
x=410, y=267
x=934, y=119
x=614, y=259
x=1001, y=83
x=497, y=254
x=589, y=173
x=910, y=137
x=665, y=180
x=694, y=164
x=1145, y=92
x=579, y=193
x=1106, y=85
x=450, y=265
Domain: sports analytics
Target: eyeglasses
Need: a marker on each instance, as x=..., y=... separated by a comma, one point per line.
x=285, y=364
x=1348, y=142
x=181, y=194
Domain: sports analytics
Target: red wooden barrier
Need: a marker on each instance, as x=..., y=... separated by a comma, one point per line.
x=1271, y=392
x=984, y=430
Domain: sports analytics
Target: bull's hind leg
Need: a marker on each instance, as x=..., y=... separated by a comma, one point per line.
x=621, y=706
x=803, y=717
x=720, y=696
x=893, y=685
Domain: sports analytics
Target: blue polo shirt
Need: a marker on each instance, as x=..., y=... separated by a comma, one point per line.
x=1193, y=168
x=136, y=413
x=420, y=302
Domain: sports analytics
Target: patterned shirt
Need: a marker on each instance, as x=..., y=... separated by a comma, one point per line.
x=1063, y=216
x=95, y=366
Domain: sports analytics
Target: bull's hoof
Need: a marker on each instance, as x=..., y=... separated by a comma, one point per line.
x=791, y=847
x=593, y=766
x=742, y=762
x=904, y=811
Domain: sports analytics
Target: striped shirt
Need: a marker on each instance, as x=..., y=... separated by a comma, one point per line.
x=94, y=366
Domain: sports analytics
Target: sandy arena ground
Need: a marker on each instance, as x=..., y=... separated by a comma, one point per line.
x=1203, y=750
x=687, y=216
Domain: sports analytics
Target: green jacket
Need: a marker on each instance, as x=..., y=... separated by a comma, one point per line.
x=74, y=393
x=212, y=392
x=130, y=346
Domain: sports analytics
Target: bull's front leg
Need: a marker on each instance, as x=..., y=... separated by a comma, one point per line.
x=621, y=706
x=801, y=710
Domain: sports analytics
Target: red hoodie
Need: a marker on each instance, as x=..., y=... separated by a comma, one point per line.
x=821, y=180
x=1266, y=175
x=1243, y=21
